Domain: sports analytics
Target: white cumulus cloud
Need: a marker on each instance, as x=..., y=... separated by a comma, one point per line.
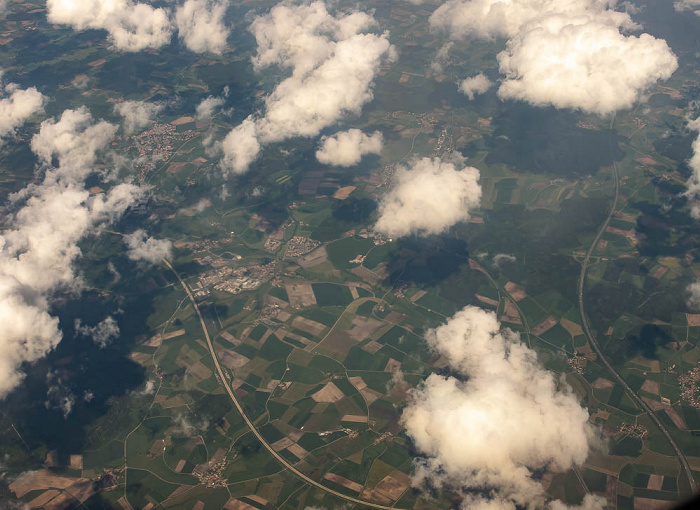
x=694, y=297
x=208, y=106
x=488, y=19
x=502, y=417
x=549, y=65
x=142, y=247
x=430, y=197
x=136, y=26
x=241, y=147
x=475, y=85
x=693, y=183
x=693, y=195
x=103, y=333
x=689, y=5
x=346, y=148
x=566, y=53
x=200, y=25
x=137, y=114
x=17, y=105
x=40, y=246
x=333, y=62
x=131, y=26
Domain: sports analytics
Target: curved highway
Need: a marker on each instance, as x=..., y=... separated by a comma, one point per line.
x=250, y=424
x=603, y=359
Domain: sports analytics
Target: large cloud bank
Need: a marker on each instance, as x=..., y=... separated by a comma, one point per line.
x=347, y=147
x=566, y=53
x=40, y=245
x=333, y=63
x=506, y=417
x=430, y=197
x=136, y=26
x=17, y=105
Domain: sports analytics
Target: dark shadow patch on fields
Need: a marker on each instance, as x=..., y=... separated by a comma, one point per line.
x=681, y=30
x=677, y=145
x=642, y=341
x=537, y=239
x=353, y=213
x=546, y=140
x=83, y=372
x=426, y=261
x=354, y=210
x=665, y=231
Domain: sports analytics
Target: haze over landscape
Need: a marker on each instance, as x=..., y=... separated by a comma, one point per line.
x=382, y=254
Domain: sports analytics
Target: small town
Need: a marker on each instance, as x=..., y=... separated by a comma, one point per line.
x=298, y=246
x=157, y=145
x=231, y=280
x=690, y=390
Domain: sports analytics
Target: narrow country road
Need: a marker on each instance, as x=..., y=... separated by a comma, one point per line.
x=596, y=347
x=250, y=424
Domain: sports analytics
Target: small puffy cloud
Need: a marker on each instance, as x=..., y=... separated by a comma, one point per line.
x=137, y=114
x=500, y=419
x=693, y=183
x=142, y=247
x=103, y=333
x=333, y=62
x=430, y=197
x=200, y=25
x=693, y=196
x=208, y=106
x=568, y=54
x=59, y=396
x=346, y=148
x=241, y=147
x=190, y=427
x=131, y=26
x=81, y=82
x=475, y=85
x=441, y=57
x=694, y=295
x=40, y=246
x=683, y=5
x=549, y=65
x=149, y=388
x=501, y=258
x=74, y=140
x=17, y=105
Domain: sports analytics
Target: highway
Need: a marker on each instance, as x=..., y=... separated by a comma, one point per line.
x=596, y=347
x=250, y=424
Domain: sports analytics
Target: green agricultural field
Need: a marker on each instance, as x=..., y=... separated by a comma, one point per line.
x=330, y=294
